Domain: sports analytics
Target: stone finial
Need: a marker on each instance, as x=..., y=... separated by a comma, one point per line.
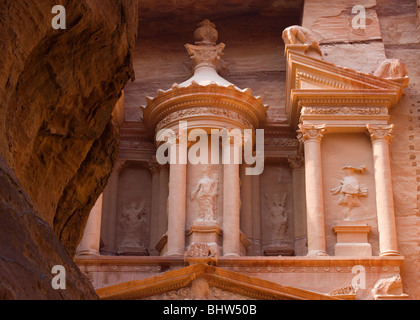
x=206, y=33
x=392, y=69
x=205, y=52
x=298, y=35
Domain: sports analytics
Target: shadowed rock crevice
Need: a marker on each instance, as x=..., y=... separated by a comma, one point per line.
x=58, y=89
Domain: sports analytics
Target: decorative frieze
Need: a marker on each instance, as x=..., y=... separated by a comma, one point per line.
x=345, y=110
x=203, y=112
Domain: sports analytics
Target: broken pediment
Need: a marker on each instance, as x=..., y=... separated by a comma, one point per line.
x=333, y=90
x=204, y=282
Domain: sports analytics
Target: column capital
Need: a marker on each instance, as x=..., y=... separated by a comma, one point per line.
x=296, y=161
x=152, y=165
x=311, y=132
x=120, y=164
x=380, y=132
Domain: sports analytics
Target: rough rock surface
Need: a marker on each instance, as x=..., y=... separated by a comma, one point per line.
x=57, y=92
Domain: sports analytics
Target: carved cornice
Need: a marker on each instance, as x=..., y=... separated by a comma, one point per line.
x=206, y=104
x=325, y=90
x=311, y=133
x=380, y=133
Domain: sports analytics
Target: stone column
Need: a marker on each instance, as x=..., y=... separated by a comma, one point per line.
x=177, y=204
x=381, y=137
x=154, y=219
x=297, y=164
x=256, y=214
x=90, y=244
x=231, y=201
x=163, y=199
x=311, y=136
x=110, y=207
x=246, y=218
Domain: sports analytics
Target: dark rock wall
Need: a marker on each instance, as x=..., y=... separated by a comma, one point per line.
x=57, y=92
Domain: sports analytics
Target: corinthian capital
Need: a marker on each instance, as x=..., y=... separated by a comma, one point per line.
x=311, y=132
x=378, y=132
x=296, y=161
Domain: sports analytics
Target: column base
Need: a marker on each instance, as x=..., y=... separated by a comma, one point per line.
x=317, y=253
x=231, y=255
x=88, y=252
x=389, y=253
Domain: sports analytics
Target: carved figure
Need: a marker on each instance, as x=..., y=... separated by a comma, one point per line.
x=134, y=225
x=391, y=69
x=278, y=215
x=201, y=250
x=350, y=190
x=300, y=35
x=205, y=193
x=388, y=286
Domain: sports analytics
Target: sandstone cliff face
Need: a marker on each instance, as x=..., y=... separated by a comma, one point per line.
x=391, y=32
x=57, y=92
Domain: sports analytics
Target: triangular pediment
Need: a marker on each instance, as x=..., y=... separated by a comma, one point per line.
x=205, y=282
x=313, y=81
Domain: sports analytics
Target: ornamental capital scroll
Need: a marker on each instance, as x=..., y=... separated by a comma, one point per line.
x=380, y=132
x=296, y=161
x=311, y=132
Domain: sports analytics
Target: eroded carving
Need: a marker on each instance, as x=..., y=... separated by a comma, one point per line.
x=200, y=250
x=388, y=287
x=350, y=190
x=300, y=35
x=134, y=225
x=392, y=69
x=277, y=208
x=205, y=194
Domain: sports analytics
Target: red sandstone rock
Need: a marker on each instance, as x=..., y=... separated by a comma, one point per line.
x=57, y=92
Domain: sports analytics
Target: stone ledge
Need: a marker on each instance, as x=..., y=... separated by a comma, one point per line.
x=323, y=261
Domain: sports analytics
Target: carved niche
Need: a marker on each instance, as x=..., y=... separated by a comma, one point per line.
x=132, y=224
x=277, y=210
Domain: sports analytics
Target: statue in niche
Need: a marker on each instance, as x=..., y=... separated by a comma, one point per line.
x=134, y=225
x=278, y=215
x=350, y=190
x=205, y=193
